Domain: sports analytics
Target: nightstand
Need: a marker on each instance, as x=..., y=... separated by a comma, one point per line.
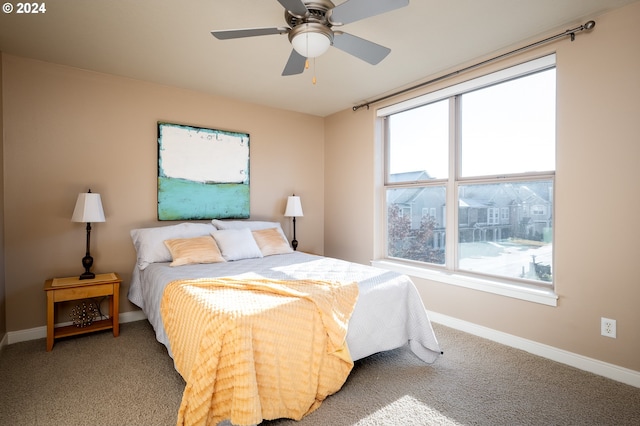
x=73, y=288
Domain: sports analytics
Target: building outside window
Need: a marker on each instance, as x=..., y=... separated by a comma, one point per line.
x=470, y=173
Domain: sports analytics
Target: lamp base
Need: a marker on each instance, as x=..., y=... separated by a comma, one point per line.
x=87, y=262
x=294, y=242
x=87, y=276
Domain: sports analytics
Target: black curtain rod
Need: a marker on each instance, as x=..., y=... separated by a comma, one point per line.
x=571, y=33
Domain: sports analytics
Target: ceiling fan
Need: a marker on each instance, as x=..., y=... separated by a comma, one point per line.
x=310, y=29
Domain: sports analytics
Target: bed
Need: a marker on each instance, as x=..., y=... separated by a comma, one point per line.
x=387, y=310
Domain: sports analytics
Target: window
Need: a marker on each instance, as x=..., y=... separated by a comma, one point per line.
x=538, y=210
x=493, y=215
x=476, y=162
x=429, y=211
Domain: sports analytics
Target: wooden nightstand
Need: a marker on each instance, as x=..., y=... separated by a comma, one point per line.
x=73, y=288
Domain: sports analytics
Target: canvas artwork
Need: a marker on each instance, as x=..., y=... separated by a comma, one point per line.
x=202, y=173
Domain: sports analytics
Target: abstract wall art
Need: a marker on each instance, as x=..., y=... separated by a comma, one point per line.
x=202, y=173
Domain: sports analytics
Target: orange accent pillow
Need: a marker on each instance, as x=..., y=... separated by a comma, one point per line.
x=271, y=242
x=188, y=251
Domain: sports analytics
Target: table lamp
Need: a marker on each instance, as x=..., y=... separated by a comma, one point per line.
x=294, y=209
x=88, y=209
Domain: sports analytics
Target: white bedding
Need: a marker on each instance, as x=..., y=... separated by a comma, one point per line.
x=388, y=314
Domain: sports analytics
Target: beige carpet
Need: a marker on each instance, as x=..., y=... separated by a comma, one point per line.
x=130, y=380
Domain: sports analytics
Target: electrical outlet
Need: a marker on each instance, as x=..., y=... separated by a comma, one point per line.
x=608, y=327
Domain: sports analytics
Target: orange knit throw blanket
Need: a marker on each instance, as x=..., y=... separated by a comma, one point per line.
x=257, y=349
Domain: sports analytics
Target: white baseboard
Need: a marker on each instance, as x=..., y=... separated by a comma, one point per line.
x=41, y=332
x=611, y=371
x=4, y=342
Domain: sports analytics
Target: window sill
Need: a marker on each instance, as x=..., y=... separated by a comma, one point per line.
x=522, y=292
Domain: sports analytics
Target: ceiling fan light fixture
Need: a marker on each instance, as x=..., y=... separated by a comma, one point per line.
x=311, y=40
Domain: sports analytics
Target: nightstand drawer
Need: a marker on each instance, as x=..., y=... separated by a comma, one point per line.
x=76, y=293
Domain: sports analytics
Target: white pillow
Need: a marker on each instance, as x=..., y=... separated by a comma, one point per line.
x=253, y=225
x=149, y=242
x=236, y=244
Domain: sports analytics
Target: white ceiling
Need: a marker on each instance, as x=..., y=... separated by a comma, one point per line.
x=169, y=42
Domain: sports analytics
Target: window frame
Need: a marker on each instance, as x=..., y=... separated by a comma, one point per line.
x=451, y=274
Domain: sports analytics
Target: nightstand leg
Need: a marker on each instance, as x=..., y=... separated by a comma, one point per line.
x=50, y=315
x=115, y=301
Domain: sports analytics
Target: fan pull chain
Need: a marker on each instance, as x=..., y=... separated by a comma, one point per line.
x=306, y=63
x=313, y=80
x=306, y=67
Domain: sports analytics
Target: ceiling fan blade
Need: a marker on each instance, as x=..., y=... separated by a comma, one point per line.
x=297, y=7
x=366, y=50
x=248, y=32
x=355, y=10
x=295, y=64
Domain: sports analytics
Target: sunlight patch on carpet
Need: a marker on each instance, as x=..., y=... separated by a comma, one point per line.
x=406, y=410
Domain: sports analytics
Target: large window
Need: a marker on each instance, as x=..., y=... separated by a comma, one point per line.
x=469, y=176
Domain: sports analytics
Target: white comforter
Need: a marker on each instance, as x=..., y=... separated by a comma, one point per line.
x=388, y=314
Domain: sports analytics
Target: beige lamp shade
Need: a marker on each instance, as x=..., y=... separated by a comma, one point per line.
x=294, y=207
x=88, y=208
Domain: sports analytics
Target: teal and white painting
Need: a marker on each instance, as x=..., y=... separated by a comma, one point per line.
x=202, y=173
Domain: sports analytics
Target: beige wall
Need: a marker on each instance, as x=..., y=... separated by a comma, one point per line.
x=3, y=315
x=349, y=186
x=67, y=130
x=597, y=201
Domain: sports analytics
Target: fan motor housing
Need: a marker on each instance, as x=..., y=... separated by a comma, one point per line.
x=314, y=21
x=316, y=13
